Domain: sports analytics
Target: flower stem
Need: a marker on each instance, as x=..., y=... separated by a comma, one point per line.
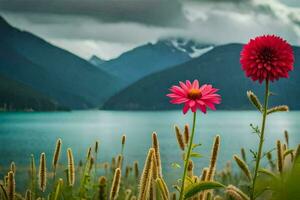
x=187, y=158
x=265, y=109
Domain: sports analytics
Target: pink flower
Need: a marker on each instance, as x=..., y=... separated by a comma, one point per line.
x=194, y=96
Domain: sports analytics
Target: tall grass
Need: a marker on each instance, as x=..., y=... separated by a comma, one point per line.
x=277, y=181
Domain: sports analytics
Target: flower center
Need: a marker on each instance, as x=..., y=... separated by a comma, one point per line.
x=194, y=94
x=266, y=54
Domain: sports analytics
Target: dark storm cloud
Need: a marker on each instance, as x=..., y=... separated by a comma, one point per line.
x=222, y=1
x=150, y=12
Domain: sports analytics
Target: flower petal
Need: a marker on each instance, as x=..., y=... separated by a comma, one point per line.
x=195, y=84
x=185, y=108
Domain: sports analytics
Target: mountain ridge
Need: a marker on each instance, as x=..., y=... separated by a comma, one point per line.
x=152, y=57
x=72, y=81
x=15, y=96
x=219, y=67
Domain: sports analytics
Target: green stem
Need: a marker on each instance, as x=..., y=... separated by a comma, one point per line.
x=95, y=177
x=261, y=142
x=186, y=161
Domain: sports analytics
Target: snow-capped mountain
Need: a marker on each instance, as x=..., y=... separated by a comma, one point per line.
x=153, y=57
x=192, y=48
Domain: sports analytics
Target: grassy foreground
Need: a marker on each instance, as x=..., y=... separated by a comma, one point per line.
x=279, y=181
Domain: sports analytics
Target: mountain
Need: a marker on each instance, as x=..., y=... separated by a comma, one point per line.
x=153, y=57
x=219, y=67
x=16, y=96
x=95, y=60
x=52, y=71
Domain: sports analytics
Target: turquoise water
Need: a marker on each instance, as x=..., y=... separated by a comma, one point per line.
x=24, y=133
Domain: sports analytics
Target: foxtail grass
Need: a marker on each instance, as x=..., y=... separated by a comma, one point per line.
x=102, y=188
x=28, y=195
x=56, y=156
x=71, y=167
x=89, y=154
x=254, y=100
x=11, y=186
x=32, y=176
x=281, y=108
x=213, y=159
x=203, y=177
x=271, y=163
x=279, y=156
x=127, y=171
x=136, y=169
x=96, y=147
x=286, y=137
x=236, y=193
x=155, y=145
x=179, y=138
x=42, y=173
x=123, y=141
x=91, y=165
x=190, y=169
x=96, y=158
x=163, y=189
x=243, y=166
x=155, y=173
x=119, y=161
x=186, y=134
x=114, y=192
x=146, y=177
x=243, y=154
x=13, y=167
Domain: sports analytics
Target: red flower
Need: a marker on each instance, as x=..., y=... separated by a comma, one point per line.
x=194, y=96
x=267, y=57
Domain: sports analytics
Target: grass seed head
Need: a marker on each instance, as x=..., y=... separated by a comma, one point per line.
x=279, y=156
x=179, y=138
x=114, y=192
x=186, y=134
x=11, y=186
x=213, y=158
x=42, y=173
x=146, y=178
x=71, y=167
x=56, y=153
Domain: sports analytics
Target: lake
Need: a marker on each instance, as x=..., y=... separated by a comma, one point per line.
x=22, y=134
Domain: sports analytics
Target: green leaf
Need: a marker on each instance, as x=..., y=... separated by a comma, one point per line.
x=58, y=189
x=201, y=186
x=288, y=152
x=175, y=165
x=254, y=154
x=268, y=173
x=196, y=145
x=196, y=155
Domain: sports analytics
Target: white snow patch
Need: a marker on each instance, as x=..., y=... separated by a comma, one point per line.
x=199, y=52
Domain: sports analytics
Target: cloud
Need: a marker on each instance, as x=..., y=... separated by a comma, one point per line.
x=109, y=28
x=86, y=48
x=151, y=12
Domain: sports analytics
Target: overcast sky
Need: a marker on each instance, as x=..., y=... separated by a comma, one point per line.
x=108, y=28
